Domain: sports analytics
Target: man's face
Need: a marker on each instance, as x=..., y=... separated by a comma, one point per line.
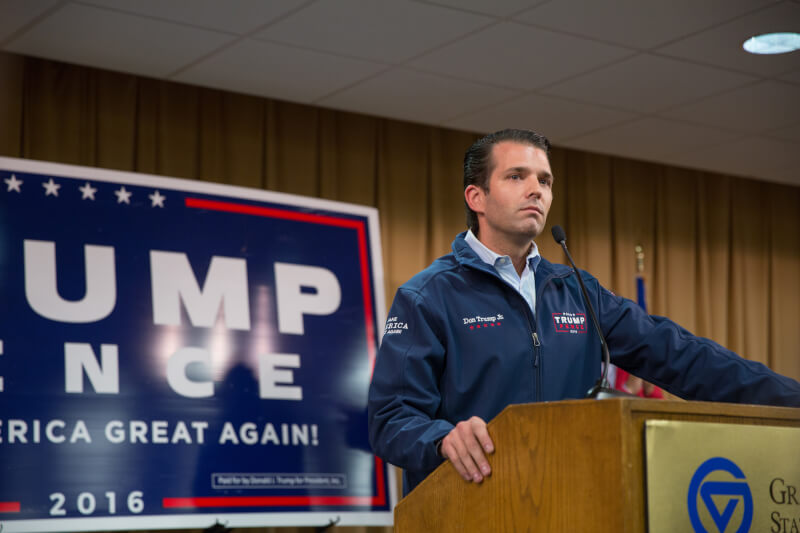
x=514, y=209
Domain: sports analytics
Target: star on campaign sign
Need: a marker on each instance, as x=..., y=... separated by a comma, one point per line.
x=87, y=191
x=177, y=352
x=51, y=187
x=13, y=184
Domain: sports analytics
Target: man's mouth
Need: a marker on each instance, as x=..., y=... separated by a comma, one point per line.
x=532, y=209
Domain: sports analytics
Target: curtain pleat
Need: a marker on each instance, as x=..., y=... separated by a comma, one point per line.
x=12, y=74
x=714, y=249
x=783, y=337
x=675, y=252
x=585, y=182
x=633, y=210
x=403, y=173
x=749, y=280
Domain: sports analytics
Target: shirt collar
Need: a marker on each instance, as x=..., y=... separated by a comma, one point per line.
x=492, y=258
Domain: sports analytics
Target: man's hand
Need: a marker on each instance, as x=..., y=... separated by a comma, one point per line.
x=466, y=445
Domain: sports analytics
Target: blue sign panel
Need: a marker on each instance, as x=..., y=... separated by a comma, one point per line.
x=176, y=353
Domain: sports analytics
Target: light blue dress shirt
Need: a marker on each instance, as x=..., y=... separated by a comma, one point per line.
x=524, y=284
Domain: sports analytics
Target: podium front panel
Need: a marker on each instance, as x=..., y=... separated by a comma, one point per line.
x=705, y=476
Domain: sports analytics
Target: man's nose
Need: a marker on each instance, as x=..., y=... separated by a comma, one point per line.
x=534, y=188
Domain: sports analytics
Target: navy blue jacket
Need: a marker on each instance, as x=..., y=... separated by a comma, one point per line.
x=459, y=341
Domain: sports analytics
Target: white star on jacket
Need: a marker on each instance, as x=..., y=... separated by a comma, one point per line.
x=123, y=196
x=51, y=187
x=13, y=183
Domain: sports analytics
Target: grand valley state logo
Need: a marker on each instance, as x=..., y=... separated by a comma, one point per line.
x=720, y=498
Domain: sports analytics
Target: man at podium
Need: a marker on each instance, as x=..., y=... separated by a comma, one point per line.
x=493, y=323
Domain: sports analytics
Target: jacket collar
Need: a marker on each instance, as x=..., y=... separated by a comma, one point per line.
x=466, y=256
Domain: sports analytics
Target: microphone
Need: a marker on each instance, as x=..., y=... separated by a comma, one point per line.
x=601, y=390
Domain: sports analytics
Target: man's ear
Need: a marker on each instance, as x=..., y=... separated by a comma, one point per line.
x=475, y=198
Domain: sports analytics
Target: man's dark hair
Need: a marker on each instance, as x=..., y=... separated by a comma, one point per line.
x=478, y=163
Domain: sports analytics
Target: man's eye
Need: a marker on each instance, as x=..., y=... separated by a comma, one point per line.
x=515, y=176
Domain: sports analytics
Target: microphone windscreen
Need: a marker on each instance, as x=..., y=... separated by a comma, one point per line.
x=559, y=235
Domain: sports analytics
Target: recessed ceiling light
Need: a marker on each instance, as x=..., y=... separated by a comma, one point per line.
x=773, y=43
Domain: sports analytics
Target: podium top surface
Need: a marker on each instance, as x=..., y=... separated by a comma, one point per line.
x=666, y=407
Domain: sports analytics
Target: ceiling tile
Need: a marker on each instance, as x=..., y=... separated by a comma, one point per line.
x=555, y=118
x=789, y=133
x=647, y=83
x=15, y=14
x=754, y=157
x=109, y=39
x=636, y=23
x=753, y=109
x=722, y=46
x=416, y=96
x=518, y=56
x=650, y=138
x=385, y=30
x=498, y=8
x=236, y=16
x=792, y=77
x=787, y=176
x=277, y=71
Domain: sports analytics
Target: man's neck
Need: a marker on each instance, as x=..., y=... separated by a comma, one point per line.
x=517, y=251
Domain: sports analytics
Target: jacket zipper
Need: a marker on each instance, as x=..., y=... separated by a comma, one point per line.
x=537, y=344
x=537, y=368
x=534, y=336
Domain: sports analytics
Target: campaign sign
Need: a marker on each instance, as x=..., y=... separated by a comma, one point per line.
x=176, y=353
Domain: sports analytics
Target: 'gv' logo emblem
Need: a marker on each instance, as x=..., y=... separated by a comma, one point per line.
x=727, y=494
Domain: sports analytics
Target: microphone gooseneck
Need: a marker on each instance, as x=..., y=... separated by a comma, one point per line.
x=601, y=390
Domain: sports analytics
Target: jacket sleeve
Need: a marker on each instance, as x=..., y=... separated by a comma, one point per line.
x=694, y=368
x=404, y=394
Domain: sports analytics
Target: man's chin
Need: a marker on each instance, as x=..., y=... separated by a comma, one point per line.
x=529, y=233
x=533, y=226
x=534, y=230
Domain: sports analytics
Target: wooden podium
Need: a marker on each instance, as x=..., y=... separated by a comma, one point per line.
x=563, y=467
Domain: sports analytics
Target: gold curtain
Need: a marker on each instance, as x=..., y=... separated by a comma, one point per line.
x=722, y=253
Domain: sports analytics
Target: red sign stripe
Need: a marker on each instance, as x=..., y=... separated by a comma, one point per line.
x=9, y=507
x=271, y=212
